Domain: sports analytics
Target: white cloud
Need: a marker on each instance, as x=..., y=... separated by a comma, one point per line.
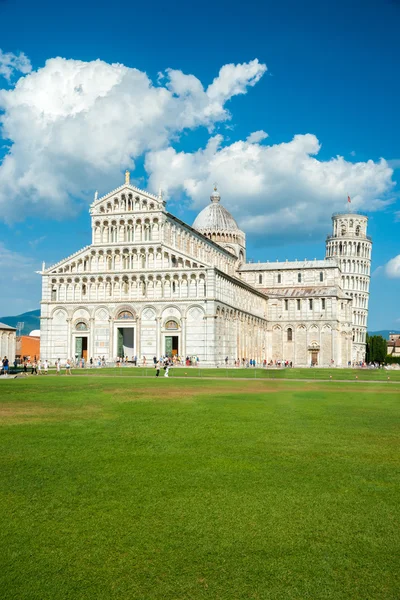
x=10, y=63
x=392, y=268
x=256, y=137
x=279, y=190
x=74, y=125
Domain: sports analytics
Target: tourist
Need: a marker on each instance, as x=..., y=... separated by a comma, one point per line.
x=39, y=367
x=157, y=367
x=68, y=367
x=144, y=361
x=46, y=367
x=58, y=366
x=34, y=368
x=5, y=366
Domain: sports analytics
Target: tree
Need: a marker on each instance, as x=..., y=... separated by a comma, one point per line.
x=376, y=349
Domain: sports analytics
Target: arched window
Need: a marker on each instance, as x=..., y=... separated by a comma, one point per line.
x=289, y=335
x=358, y=230
x=299, y=277
x=279, y=278
x=321, y=276
x=125, y=314
x=81, y=326
x=171, y=325
x=260, y=279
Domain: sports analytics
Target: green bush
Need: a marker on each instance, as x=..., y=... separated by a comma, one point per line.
x=392, y=360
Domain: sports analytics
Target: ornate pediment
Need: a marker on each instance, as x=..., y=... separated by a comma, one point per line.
x=127, y=199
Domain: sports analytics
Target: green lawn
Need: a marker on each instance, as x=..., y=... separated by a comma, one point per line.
x=250, y=373
x=188, y=489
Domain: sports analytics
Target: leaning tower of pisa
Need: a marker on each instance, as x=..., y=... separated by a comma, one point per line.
x=351, y=245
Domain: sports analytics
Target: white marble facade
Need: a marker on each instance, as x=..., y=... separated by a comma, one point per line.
x=150, y=285
x=8, y=340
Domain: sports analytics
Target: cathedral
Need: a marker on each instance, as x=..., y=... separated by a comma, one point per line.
x=149, y=285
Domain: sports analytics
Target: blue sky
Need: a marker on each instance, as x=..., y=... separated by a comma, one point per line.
x=330, y=88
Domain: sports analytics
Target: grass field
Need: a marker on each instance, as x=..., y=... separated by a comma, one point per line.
x=250, y=373
x=148, y=489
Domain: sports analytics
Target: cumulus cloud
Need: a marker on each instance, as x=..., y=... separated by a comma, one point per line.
x=73, y=125
x=256, y=137
x=392, y=268
x=11, y=63
x=274, y=190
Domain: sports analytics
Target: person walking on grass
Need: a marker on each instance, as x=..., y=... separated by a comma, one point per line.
x=58, y=366
x=68, y=367
x=39, y=367
x=5, y=366
x=46, y=367
x=34, y=368
x=157, y=367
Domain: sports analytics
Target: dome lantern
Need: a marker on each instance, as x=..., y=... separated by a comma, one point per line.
x=215, y=196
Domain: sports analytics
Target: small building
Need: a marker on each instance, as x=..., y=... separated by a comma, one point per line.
x=393, y=345
x=28, y=347
x=8, y=336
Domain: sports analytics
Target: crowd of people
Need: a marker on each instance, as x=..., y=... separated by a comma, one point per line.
x=41, y=367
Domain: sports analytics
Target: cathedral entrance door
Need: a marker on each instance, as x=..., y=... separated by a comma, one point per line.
x=125, y=341
x=171, y=345
x=81, y=347
x=314, y=357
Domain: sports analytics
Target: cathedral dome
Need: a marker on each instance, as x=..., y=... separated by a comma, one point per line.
x=215, y=217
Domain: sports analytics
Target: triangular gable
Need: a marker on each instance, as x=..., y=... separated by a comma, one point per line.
x=83, y=252
x=129, y=191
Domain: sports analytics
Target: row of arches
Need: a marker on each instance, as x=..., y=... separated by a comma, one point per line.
x=225, y=237
x=138, y=230
x=126, y=311
x=239, y=335
x=130, y=259
x=125, y=288
x=348, y=248
x=346, y=226
x=355, y=266
x=359, y=336
x=359, y=300
x=235, y=294
x=127, y=203
x=359, y=318
x=7, y=344
x=351, y=282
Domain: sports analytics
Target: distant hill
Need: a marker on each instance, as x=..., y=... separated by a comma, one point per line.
x=383, y=332
x=31, y=320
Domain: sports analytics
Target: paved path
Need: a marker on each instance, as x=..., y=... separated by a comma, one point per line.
x=76, y=373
